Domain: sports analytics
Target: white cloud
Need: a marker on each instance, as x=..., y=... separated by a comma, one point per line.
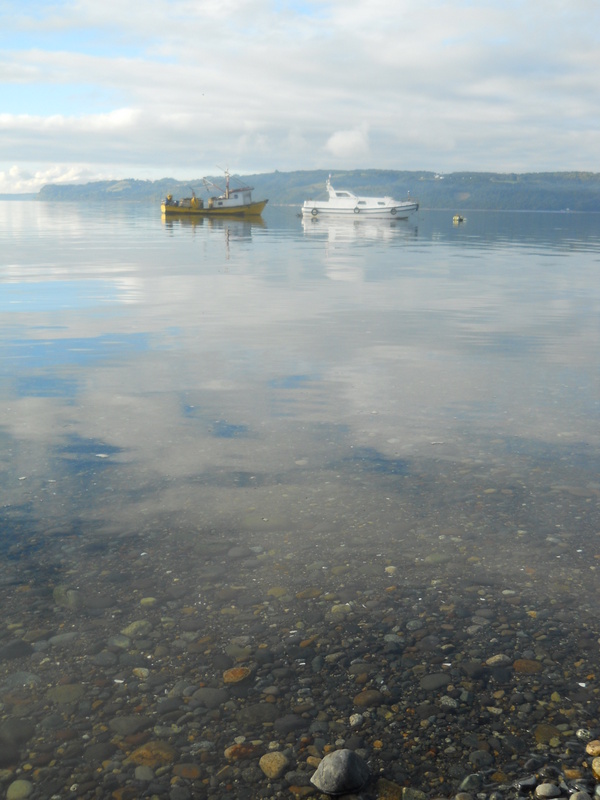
x=349, y=144
x=19, y=180
x=185, y=85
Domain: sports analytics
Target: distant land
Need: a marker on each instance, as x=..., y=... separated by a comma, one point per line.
x=535, y=191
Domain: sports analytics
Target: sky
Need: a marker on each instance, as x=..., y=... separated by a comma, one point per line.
x=103, y=89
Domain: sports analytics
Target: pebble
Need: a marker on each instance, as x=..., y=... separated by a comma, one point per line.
x=19, y=789
x=547, y=790
x=274, y=764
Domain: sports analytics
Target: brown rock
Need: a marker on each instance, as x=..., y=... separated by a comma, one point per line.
x=593, y=748
x=273, y=764
x=302, y=791
x=125, y=793
x=387, y=790
x=368, y=699
x=236, y=674
x=309, y=594
x=239, y=752
x=154, y=754
x=544, y=733
x=190, y=771
x=527, y=666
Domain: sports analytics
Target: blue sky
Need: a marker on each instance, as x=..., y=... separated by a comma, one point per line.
x=95, y=89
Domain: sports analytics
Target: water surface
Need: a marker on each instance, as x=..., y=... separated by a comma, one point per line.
x=398, y=420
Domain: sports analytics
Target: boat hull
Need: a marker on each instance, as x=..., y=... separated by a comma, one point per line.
x=248, y=210
x=397, y=211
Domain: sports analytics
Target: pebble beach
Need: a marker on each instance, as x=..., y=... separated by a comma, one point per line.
x=203, y=663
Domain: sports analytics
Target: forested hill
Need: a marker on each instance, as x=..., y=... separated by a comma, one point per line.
x=549, y=191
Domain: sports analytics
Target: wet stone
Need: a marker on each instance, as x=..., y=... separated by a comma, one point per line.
x=154, y=753
x=19, y=790
x=15, y=732
x=210, y=697
x=370, y=698
x=15, y=649
x=65, y=694
x=127, y=725
x=547, y=790
x=481, y=759
x=434, y=681
x=341, y=772
x=290, y=723
x=274, y=764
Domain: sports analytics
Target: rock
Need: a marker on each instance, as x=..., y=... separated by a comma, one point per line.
x=387, y=790
x=434, y=681
x=527, y=666
x=144, y=773
x=210, y=698
x=242, y=751
x=9, y=755
x=547, y=790
x=154, y=754
x=481, y=759
x=341, y=772
x=137, y=629
x=65, y=694
x=545, y=733
x=413, y=794
x=190, y=772
x=98, y=752
x=236, y=674
x=289, y=723
x=369, y=698
x=499, y=660
x=127, y=725
x=15, y=649
x=274, y=764
x=19, y=789
x=15, y=731
x=593, y=748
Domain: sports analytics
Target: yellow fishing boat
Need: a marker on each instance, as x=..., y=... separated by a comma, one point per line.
x=230, y=202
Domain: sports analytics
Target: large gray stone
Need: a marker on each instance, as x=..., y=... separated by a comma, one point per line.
x=341, y=772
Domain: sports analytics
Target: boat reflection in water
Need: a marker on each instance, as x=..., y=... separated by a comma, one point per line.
x=355, y=265
x=344, y=229
x=240, y=226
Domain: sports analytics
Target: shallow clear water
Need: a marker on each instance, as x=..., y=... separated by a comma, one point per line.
x=340, y=397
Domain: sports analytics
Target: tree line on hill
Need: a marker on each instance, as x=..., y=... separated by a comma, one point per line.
x=549, y=191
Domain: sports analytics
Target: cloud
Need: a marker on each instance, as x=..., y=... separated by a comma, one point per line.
x=182, y=86
x=349, y=144
x=21, y=180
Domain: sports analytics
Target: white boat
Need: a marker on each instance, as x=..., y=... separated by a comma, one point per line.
x=342, y=201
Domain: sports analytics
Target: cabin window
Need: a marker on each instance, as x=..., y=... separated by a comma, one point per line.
x=342, y=194
x=235, y=196
x=380, y=203
x=220, y=203
x=362, y=203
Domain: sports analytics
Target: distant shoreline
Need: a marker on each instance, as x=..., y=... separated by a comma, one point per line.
x=460, y=191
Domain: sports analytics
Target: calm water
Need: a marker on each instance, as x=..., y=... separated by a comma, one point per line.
x=189, y=371
x=339, y=397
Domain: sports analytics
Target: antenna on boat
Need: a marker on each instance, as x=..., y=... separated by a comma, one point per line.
x=226, y=171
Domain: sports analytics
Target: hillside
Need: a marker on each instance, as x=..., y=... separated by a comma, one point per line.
x=551, y=191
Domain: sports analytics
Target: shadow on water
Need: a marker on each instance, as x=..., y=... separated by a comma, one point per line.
x=368, y=459
x=222, y=429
